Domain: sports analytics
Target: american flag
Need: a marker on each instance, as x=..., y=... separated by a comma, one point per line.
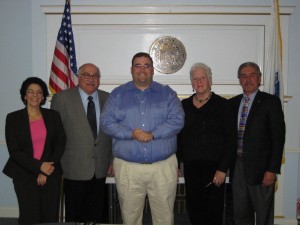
x=63, y=73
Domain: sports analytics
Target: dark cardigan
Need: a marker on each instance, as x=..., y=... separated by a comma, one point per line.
x=203, y=134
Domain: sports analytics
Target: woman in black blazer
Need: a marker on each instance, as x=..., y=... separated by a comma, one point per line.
x=201, y=147
x=35, y=140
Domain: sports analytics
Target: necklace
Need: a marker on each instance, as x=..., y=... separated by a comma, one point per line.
x=202, y=100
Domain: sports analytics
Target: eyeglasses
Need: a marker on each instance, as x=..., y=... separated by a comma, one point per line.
x=139, y=66
x=88, y=76
x=32, y=92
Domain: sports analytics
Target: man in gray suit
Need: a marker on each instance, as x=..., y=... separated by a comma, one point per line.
x=87, y=159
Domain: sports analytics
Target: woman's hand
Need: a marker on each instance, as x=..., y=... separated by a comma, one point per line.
x=41, y=180
x=47, y=168
x=219, y=178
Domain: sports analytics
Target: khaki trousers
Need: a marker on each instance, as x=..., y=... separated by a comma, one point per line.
x=157, y=180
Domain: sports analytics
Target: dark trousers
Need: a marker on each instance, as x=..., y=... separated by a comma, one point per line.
x=253, y=204
x=229, y=220
x=85, y=200
x=38, y=204
x=204, y=204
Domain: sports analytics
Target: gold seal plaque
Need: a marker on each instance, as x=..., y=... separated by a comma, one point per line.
x=168, y=54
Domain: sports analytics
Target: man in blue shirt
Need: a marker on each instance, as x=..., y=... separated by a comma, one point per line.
x=143, y=118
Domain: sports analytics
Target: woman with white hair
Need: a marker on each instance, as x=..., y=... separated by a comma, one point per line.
x=201, y=148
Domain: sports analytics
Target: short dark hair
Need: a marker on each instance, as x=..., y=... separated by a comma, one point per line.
x=252, y=64
x=34, y=80
x=141, y=54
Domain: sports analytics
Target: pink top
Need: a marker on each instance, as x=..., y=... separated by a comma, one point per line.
x=38, y=137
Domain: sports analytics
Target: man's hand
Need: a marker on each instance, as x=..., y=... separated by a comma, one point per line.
x=142, y=136
x=269, y=178
x=110, y=171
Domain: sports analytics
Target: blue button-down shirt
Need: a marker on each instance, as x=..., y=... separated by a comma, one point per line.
x=156, y=109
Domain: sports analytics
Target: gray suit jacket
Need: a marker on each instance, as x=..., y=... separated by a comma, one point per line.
x=83, y=156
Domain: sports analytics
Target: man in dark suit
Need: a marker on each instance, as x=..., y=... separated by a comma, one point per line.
x=258, y=148
x=87, y=158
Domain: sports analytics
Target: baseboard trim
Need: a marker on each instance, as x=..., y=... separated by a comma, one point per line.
x=9, y=212
x=14, y=213
x=285, y=221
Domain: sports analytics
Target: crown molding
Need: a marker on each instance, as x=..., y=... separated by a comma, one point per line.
x=166, y=9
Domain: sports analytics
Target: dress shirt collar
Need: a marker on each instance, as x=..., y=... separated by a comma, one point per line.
x=153, y=87
x=252, y=96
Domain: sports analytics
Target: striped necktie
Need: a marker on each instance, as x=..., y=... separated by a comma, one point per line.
x=242, y=125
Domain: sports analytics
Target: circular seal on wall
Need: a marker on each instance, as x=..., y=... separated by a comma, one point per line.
x=168, y=54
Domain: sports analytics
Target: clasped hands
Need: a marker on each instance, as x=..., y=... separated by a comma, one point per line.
x=142, y=136
x=47, y=168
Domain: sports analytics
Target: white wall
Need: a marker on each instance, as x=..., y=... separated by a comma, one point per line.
x=23, y=53
x=15, y=64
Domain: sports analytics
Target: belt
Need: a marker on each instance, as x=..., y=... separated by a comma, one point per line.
x=145, y=163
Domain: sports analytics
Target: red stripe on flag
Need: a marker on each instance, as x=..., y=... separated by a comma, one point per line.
x=54, y=87
x=61, y=56
x=60, y=74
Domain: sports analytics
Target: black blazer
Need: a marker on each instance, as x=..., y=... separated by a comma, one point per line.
x=264, y=135
x=21, y=165
x=203, y=134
